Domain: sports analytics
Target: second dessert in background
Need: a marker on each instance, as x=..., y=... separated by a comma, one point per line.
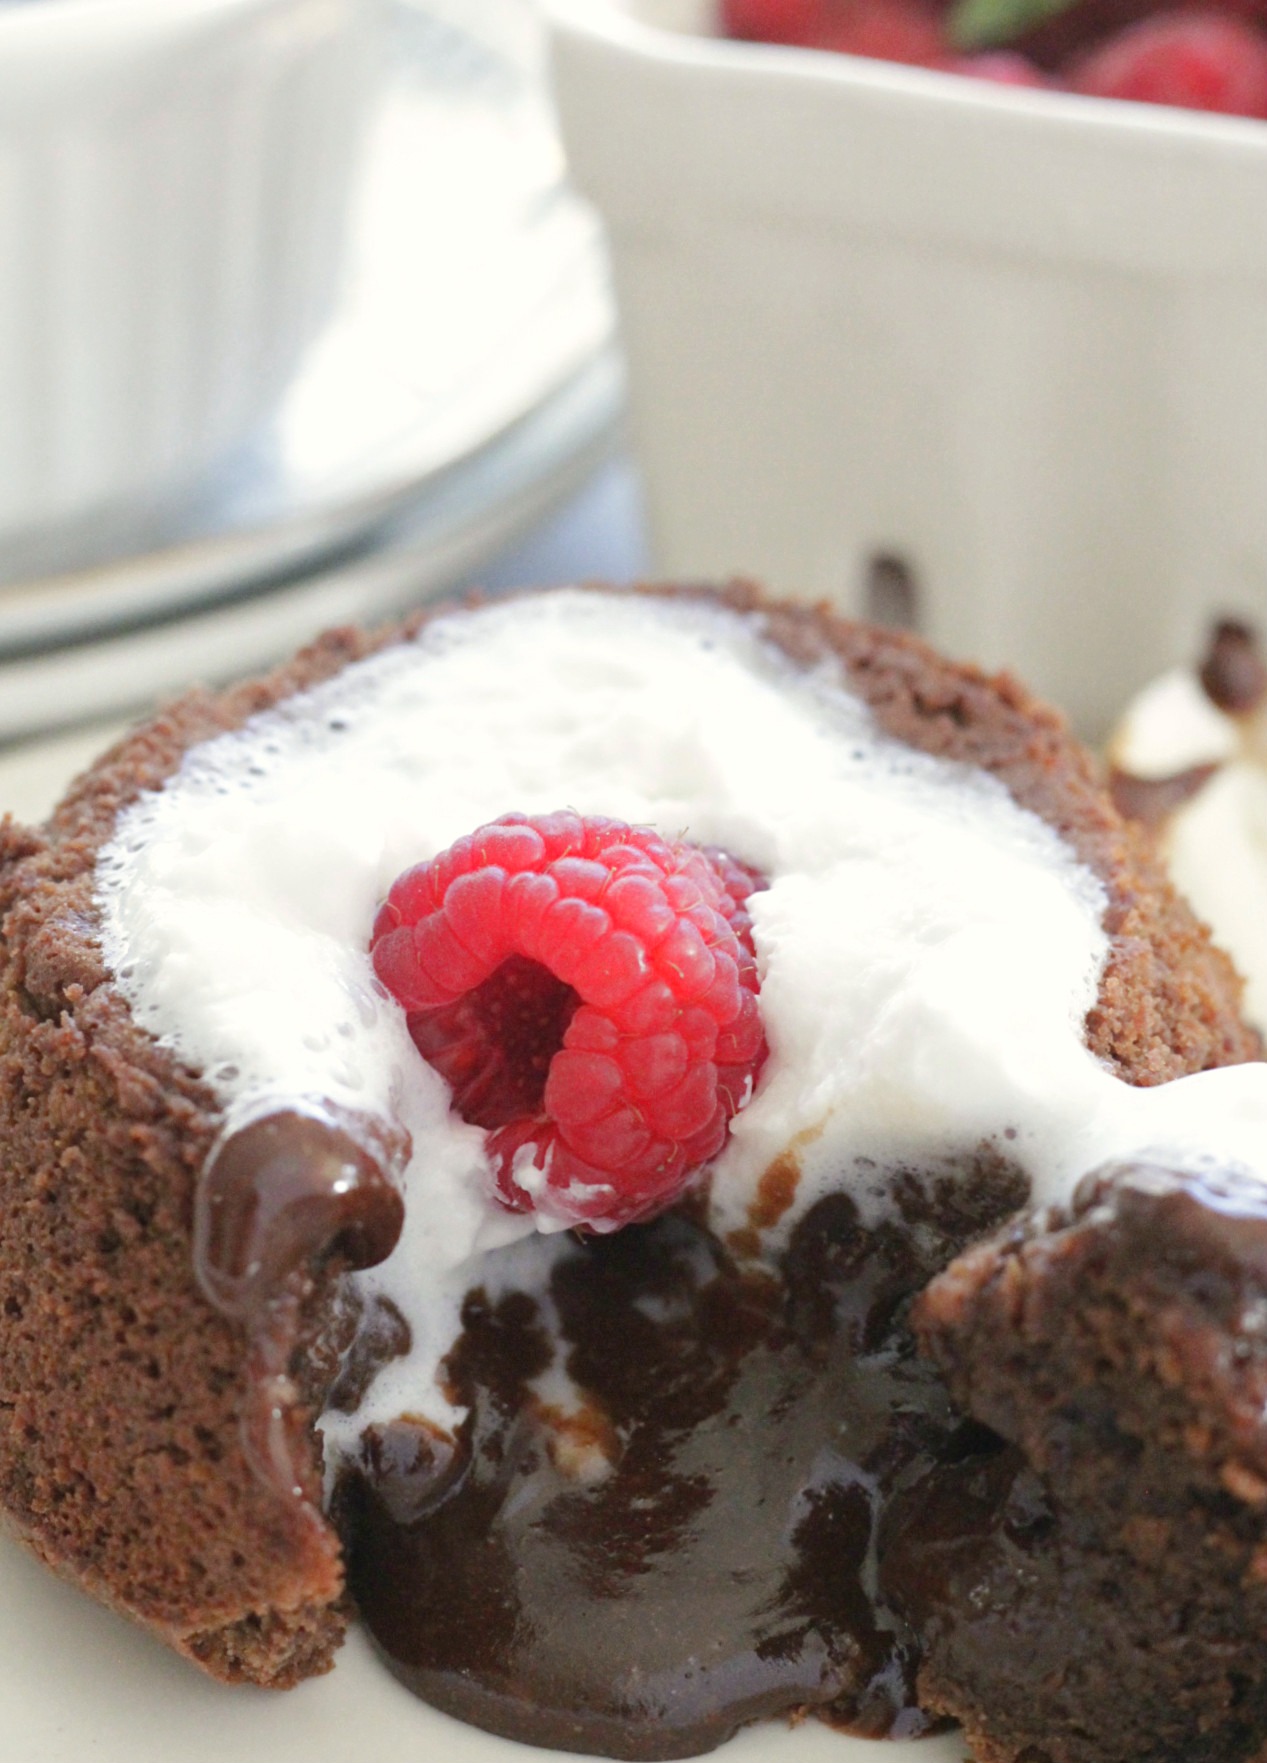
x=1189, y=760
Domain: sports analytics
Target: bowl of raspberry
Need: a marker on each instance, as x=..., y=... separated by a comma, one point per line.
x=1199, y=55
x=950, y=312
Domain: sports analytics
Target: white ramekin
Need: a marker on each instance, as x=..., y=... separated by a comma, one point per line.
x=174, y=181
x=1016, y=342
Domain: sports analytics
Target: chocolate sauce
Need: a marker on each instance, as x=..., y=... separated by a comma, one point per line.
x=1233, y=672
x=278, y=1197
x=286, y=1190
x=1153, y=800
x=694, y=1540
x=1213, y=1218
x=1233, y=675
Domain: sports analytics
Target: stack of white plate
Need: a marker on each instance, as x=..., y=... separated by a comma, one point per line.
x=468, y=383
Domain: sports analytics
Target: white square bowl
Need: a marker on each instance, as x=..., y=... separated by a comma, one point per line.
x=174, y=184
x=1015, y=342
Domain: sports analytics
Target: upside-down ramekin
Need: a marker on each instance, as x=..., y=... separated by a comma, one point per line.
x=1012, y=342
x=174, y=182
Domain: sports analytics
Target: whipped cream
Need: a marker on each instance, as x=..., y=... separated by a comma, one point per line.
x=1214, y=842
x=928, y=948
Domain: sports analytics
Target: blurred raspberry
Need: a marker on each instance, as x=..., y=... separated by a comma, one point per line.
x=887, y=30
x=1197, y=60
x=1054, y=41
x=773, y=21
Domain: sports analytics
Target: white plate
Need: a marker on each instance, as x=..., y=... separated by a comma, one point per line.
x=479, y=290
x=450, y=529
x=79, y=1685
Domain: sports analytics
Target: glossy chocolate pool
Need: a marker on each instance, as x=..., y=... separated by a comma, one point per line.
x=698, y=1536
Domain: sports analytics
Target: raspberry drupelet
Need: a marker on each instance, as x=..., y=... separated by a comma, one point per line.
x=589, y=991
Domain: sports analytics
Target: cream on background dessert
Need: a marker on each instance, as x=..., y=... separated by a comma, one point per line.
x=1189, y=757
x=623, y=1490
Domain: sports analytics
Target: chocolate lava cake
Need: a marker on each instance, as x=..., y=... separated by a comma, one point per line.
x=983, y=1454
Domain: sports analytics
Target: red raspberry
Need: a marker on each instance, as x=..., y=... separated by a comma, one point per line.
x=590, y=993
x=772, y=21
x=1199, y=60
x=886, y=30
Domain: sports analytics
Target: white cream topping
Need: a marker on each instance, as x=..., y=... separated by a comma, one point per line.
x=928, y=949
x=1215, y=843
x=1172, y=726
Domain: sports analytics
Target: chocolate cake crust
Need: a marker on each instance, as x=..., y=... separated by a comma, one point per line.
x=1118, y=1543
x=121, y=1386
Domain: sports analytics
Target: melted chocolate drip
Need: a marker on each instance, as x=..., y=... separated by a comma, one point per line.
x=277, y=1198
x=1153, y=800
x=700, y=1541
x=1217, y=1216
x=285, y=1191
x=1234, y=673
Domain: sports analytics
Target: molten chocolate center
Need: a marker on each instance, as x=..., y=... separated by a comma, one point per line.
x=683, y=1532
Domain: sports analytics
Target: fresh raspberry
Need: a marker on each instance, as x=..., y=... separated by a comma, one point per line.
x=773, y=21
x=1198, y=60
x=590, y=993
x=1056, y=40
x=886, y=30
